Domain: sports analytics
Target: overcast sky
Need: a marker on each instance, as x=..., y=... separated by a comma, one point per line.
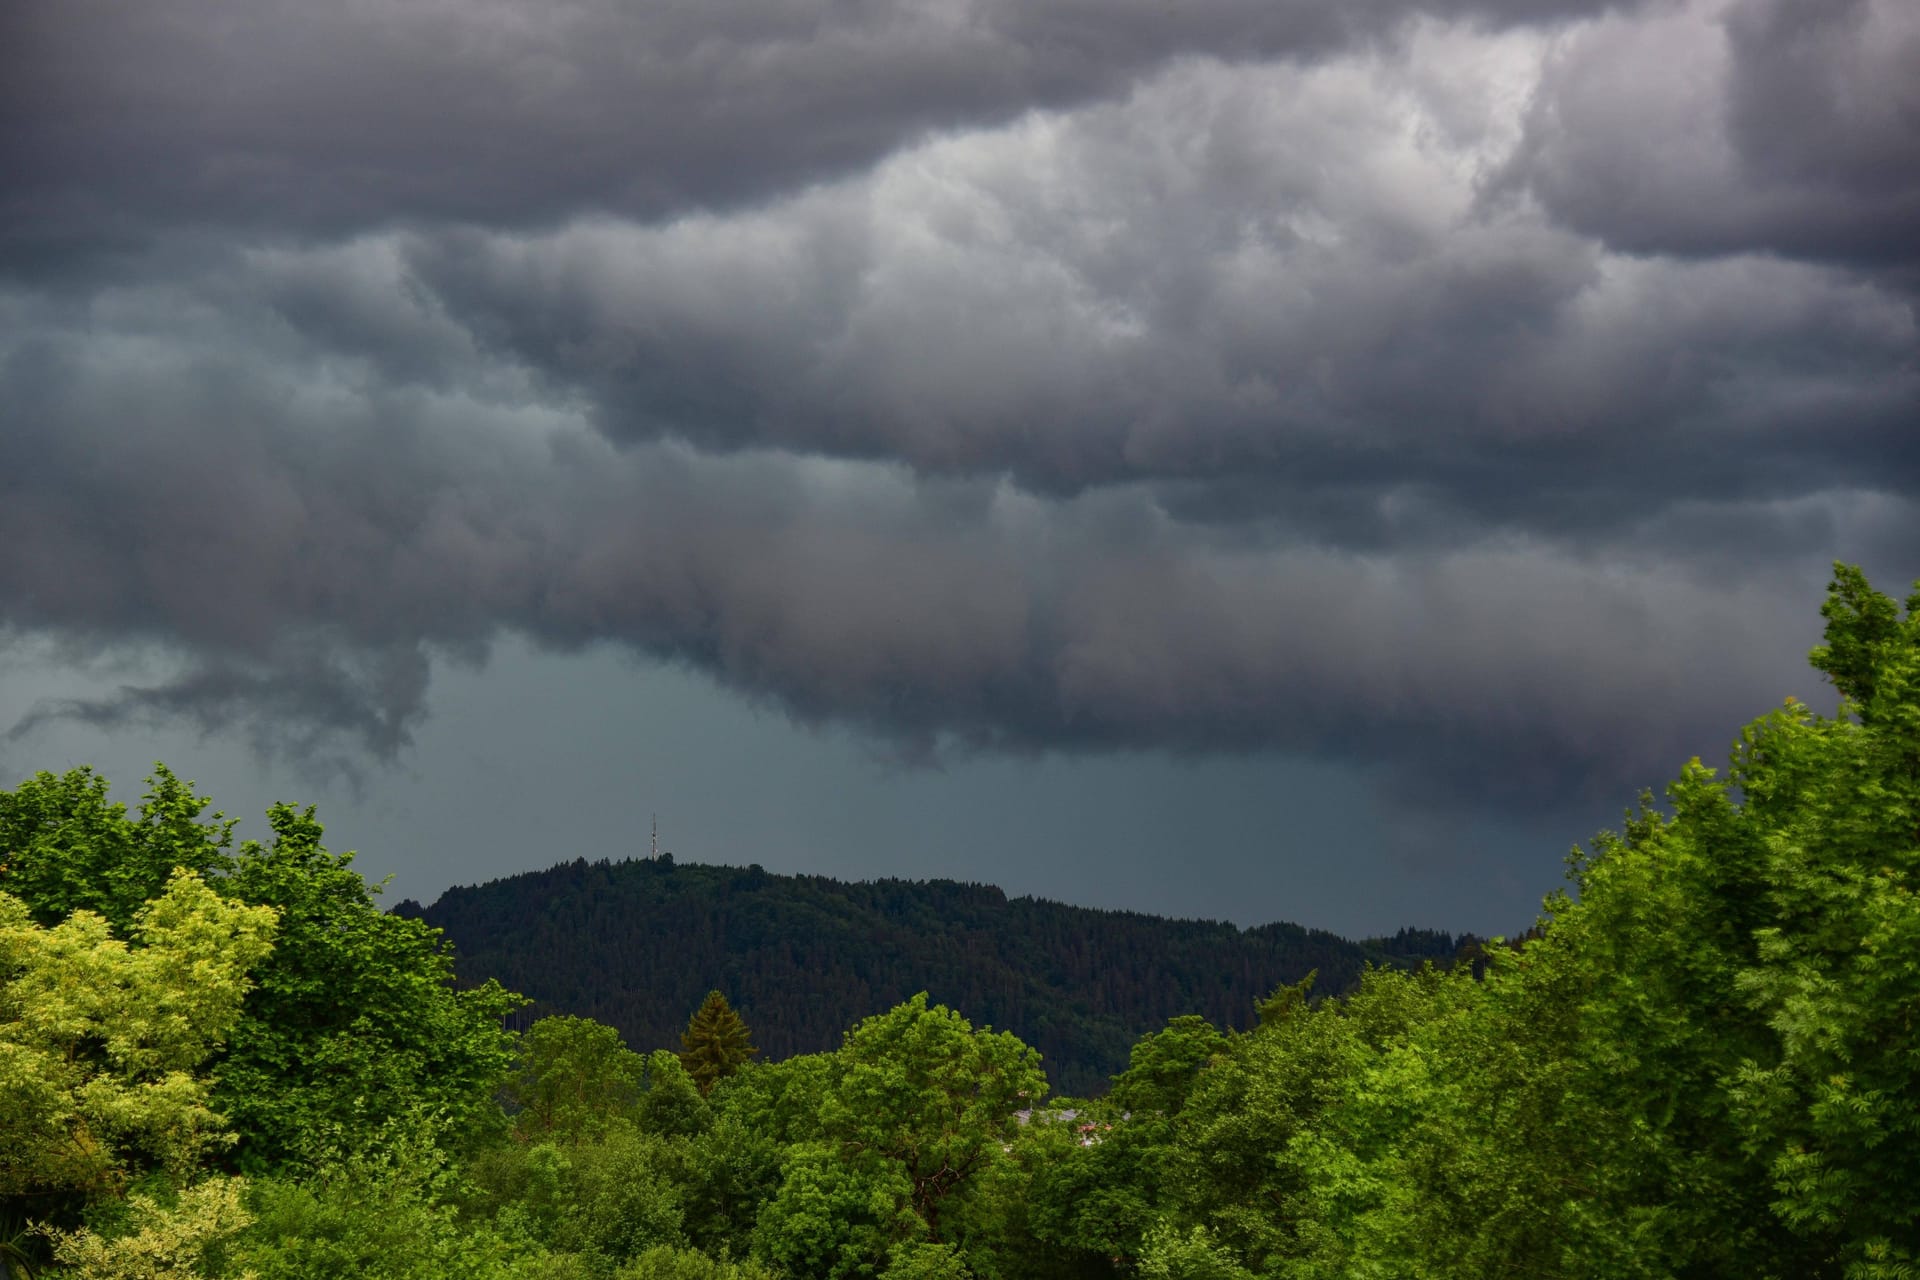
x=1263, y=459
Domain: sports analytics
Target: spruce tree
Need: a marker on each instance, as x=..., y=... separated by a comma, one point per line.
x=716, y=1042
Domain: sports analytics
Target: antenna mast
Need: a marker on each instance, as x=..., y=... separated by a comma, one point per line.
x=656, y=838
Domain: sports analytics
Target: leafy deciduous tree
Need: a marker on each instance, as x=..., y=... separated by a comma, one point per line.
x=920, y=1087
x=354, y=1019
x=64, y=847
x=160, y=1241
x=576, y=1078
x=101, y=1042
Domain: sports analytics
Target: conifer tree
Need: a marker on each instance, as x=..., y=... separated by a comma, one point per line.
x=716, y=1042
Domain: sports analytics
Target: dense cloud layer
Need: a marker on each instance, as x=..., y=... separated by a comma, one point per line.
x=284, y=116
x=1766, y=126
x=1473, y=391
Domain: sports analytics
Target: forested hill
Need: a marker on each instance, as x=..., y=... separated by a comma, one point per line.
x=637, y=944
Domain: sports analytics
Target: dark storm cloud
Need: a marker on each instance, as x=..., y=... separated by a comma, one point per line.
x=1166, y=289
x=321, y=703
x=281, y=116
x=304, y=551
x=1421, y=391
x=1772, y=126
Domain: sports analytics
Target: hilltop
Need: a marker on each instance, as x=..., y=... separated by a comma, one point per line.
x=638, y=943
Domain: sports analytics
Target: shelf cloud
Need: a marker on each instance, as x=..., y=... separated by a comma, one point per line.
x=1474, y=393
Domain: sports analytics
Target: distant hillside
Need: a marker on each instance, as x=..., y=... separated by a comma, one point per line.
x=637, y=944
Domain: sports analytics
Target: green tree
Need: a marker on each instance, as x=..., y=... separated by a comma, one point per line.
x=604, y=1201
x=726, y=1172
x=1701, y=1065
x=666, y=1262
x=779, y=1099
x=1162, y=1067
x=626, y=1199
x=390, y=1212
x=102, y=1042
x=921, y=1088
x=354, y=1019
x=672, y=1105
x=1830, y=1105
x=1864, y=638
x=1099, y=1173
x=1172, y=1255
x=1249, y=1150
x=1053, y=1207
x=837, y=1214
x=576, y=1078
x=64, y=847
x=716, y=1042
x=160, y=1241
x=923, y=1261
x=908, y=1118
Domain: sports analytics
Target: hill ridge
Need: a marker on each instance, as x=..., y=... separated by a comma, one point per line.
x=637, y=942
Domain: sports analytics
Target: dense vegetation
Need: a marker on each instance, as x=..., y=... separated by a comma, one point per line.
x=225, y=1064
x=636, y=944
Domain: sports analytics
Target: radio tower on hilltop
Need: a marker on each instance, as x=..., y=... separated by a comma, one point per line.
x=655, y=855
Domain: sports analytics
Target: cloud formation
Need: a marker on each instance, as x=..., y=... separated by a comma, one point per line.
x=327, y=119
x=1781, y=127
x=1473, y=392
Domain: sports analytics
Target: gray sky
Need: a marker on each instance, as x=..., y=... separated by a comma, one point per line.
x=1263, y=460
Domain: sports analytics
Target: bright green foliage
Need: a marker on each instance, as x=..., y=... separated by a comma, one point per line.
x=557, y=1266
x=385, y=1216
x=922, y=1089
x=354, y=1019
x=576, y=1078
x=1171, y=1255
x=606, y=1200
x=161, y=1241
x=923, y=1261
x=64, y=847
x=716, y=1042
x=1245, y=1158
x=1834, y=1110
x=531, y=1192
x=665, y=1262
x=1288, y=1000
x=1864, y=639
x=1163, y=1066
x=912, y=1112
x=101, y=1042
x=837, y=1214
x=1566, y=1117
x=1436, y=1140
x=1703, y=1065
x=1735, y=1091
x=674, y=1171
x=625, y=1200
x=780, y=1099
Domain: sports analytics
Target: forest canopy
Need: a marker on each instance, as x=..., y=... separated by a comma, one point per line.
x=222, y=1063
x=636, y=943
